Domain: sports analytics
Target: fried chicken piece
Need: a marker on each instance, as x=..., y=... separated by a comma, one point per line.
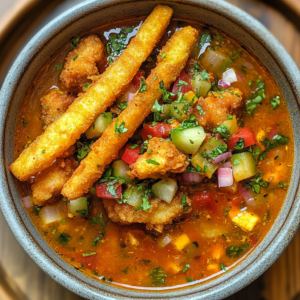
x=156, y=217
x=217, y=107
x=64, y=131
x=49, y=183
x=171, y=61
x=161, y=157
x=81, y=63
x=54, y=104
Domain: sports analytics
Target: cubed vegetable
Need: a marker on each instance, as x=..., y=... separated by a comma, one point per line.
x=243, y=166
x=165, y=189
x=206, y=167
x=53, y=213
x=232, y=125
x=216, y=61
x=204, y=199
x=134, y=195
x=181, y=241
x=133, y=240
x=179, y=111
x=160, y=130
x=178, y=84
x=99, y=125
x=201, y=87
x=131, y=154
x=245, y=220
x=79, y=207
x=120, y=169
x=109, y=190
x=188, y=140
x=190, y=97
x=246, y=134
x=165, y=114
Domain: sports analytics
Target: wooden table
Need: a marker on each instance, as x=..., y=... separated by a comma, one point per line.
x=22, y=279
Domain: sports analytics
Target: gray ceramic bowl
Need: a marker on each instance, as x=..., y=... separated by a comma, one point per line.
x=74, y=22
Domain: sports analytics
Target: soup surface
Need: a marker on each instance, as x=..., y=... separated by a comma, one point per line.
x=196, y=187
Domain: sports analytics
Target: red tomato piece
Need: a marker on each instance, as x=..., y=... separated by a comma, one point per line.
x=244, y=133
x=184, y=88
x=102, y=192
x=160, y=130
x=273, y=131
x=130, y=156
x=206, y=198
x=253, y=240
x=137, y=79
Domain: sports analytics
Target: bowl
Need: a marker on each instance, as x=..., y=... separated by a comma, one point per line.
x=216, y=13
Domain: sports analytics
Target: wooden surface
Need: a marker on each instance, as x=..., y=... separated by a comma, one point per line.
x=22, y=279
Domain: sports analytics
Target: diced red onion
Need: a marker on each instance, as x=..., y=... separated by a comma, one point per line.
x=226, y=165
x=222, y=157
x=229, y=76
x=225, y=177
x=165, y=241
x=131, y=93
x=192, y=177
x=247, y=196
x=27, y=202
x=223, y=84
x=247, y=65
x=240, y=78
x=273, y=131
x=53, y=213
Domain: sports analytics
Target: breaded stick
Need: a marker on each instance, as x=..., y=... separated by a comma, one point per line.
x=81, y=63
x=171, y=61
x=63, y=133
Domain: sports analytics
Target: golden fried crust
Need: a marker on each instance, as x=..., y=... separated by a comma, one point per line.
x=81, y=63
x=54, y=104
x=49, y=183
x=217, y=107
x=159, y=214
x=165, y=154
x=63, y=132
x=106, y=148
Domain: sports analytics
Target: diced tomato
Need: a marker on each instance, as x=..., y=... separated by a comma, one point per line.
x=253, y=240
x=205, y=198
x=273, y=131
x=102, y=192
x=244, y=133
x=160, y=130
x=137, y=79
x=130, y=156
x=184, y=88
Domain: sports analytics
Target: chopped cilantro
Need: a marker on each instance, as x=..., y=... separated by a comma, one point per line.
x=99, y=220
x=196, y=244
x=88, y=254
x=233, y=251
x=158, y=276
x=240, y=144
x=121, y=128
x=236, y=162
x=134, y=146
x=184, y=203
x=281, y=185
x=223, y=267
x=236, y=54
x=219, y=38
x=87, y=85
x=243, y=68
x=185, y=268
x=276, y=141
x=181, y=82
x=275, y=102
x=112, y=188
x=63, y=238
x=255, y=184
x=227, y=209
x=201, y=111
x=205, y=38
x=223, y=130
x=83, y=147
x=47, y=107
x=75, y=57
x=96, y=241
x=189, y=279
x=122, y=105
x=74, y=42
x=258, y=96
x=83, y=212
x=152, y=161
x=143, y=86
x=246, y=246
x=229, y=117
x=36, y=210
x=129, y=29
x=215, y=152
x=58, y=67
x=163, y=56
x=43, y=151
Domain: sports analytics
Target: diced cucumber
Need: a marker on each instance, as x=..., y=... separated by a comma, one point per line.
x=166, y=108
x=120, y=169
x=216, y=61
x=188, y=140
x=243, y=166
x=99, y=125
x=165, y=189
x=190, y=97
x=232, y=125
x=79, y=207
x=92, y=191
x=200, y=86
x=134, y=195
x=179, y=111
x=206, y=167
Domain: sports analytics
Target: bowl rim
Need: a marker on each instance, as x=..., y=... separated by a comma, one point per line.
x=232, y=283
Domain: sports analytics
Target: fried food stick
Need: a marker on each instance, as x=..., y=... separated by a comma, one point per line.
x=171, y=61
x=63, y=133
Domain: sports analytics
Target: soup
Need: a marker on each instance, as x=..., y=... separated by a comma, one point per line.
x=179, y=178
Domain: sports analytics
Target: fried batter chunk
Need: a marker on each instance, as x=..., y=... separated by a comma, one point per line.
x=49, y=183
x=160, y=158
x=216, y=107
x=156, y=217
x=54, y=104
x=81, y=63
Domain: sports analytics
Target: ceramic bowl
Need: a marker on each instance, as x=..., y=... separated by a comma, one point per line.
x=75, y=21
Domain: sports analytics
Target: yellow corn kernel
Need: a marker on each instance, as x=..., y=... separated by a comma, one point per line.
x=181, y=241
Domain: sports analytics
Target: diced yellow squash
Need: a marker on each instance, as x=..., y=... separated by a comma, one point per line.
x=172, y=267
x=181, y=241
x=245, y=220
x=214, y=267
x=217, y=251
x=232, y=125
x=260, y=137
x=190, y=97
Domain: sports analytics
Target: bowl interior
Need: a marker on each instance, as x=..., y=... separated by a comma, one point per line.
x=93, y=13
